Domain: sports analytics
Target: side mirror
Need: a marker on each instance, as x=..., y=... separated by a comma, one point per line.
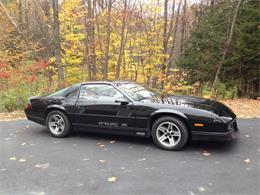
x=122, y=100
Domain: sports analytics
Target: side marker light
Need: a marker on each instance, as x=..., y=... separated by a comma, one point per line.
x=198, y=124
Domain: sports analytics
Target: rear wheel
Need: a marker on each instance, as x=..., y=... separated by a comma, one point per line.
x=170, y=133
x=58, y=124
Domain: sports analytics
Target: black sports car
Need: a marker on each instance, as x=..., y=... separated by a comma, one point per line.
x=124, y=107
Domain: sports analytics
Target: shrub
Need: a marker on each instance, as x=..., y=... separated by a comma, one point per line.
x=13, y=100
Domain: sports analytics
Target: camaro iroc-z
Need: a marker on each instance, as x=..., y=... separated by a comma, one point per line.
x=125, y=107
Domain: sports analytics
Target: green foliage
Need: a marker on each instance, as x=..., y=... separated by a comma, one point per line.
x=206, y=44
x=226, y=92
x=16, y=98
x=13, y=99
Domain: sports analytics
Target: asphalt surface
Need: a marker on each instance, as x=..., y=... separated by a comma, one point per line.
x=32, y=162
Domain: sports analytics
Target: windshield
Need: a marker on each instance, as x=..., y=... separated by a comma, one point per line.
x=137, y=92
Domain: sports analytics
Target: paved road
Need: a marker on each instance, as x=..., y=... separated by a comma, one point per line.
x=32, y=162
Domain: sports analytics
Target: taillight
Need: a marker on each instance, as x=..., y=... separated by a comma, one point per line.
x=29, y=105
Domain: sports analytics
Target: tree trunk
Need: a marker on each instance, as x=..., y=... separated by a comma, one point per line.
x=230, y=36
x=86, y=49
x=183, y=25
x=105, y=68
x=164, y=42
x=11, y=19
x=121, y=50
x=93, y=44
x=170, y=60
x=172, y=21
x=90, y=48
x=56, y=38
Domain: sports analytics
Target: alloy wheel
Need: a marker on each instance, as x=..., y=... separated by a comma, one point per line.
x=56, y=124
x=168, y=134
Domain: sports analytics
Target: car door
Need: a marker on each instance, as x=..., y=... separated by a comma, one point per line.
x=103, y=106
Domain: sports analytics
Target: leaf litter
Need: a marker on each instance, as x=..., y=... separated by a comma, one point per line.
x=12, y=158
x=112, y=179
x=22, y=160
x=42, y=166
x=247, y=161
x=206, y=153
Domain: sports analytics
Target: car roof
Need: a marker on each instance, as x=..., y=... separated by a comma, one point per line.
x=87, y=82
x=107, y=82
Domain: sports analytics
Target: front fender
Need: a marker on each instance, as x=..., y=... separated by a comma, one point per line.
x=169, y=111
x=162, y=112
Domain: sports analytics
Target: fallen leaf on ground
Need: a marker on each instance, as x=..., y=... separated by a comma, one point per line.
x=102, y=161
x=12, y=158
x=247, y=161
x=191, y=193
x=79, y=184
x=112, y=142
x=210, y=184
x=141, y=159
x=22, y=160
x=42, y=166
x=201, y=189
x=206, y=153
x=112, y=179
x=37, y=193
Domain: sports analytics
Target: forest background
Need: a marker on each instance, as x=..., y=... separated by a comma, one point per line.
x=207, y=48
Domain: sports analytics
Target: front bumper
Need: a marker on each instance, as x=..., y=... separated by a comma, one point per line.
x=231, y=134
x=215, y=136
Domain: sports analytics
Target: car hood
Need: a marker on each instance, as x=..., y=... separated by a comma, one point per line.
x=198, y=103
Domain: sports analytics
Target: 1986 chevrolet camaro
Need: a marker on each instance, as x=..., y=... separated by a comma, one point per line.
x=125, y=107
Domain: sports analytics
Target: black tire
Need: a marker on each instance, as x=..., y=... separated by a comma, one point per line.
x=67, y=125
x=180, y=128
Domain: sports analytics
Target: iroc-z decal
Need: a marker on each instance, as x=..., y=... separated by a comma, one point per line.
x=112, y=124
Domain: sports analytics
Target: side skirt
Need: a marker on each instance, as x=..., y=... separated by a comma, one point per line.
x=111, y=130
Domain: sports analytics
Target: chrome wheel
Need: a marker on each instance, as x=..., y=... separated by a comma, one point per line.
x=168, y=134
x=56, y=124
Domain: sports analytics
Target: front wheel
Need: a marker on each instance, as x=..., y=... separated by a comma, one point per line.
x=170, y=133
x=58, y=124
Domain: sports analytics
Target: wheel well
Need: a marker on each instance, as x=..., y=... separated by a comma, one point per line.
x=52, y=109
x=155, y=117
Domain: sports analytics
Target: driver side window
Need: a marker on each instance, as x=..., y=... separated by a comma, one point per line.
x=102, y=92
